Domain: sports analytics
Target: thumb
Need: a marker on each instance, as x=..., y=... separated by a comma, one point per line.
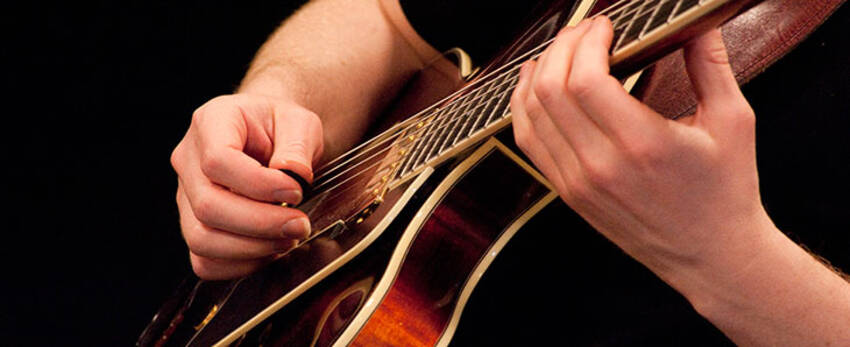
x=298, y=140
x=711, y=75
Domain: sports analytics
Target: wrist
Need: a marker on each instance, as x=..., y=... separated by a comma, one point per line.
x=781, y=292
x=716, y=275
x=274, y=82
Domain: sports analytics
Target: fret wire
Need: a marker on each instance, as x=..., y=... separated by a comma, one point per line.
x=504, y=95
x=481, y=120
x=422, y=137
x=507, y=68
x=429, y=156
x=468, y=121
x=635, y=26
x=354, y=153
x=509, y=82
x=408, y=158
x=503, y=102
x=419, y=153
x=482, y=94
x=430, y=113
x=459, y=117
x=459, y=114
x=622, y=17
x=428, y=136
x=662, y=15
x=617, y=12
x=435, y=132
x=625, y=28
x=647, y=12
x=621, y=7
x=684, y=6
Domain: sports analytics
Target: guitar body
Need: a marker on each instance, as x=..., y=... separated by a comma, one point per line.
x=408, y=288
x=395, y=271
x=397, y=247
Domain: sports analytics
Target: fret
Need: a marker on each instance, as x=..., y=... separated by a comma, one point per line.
x=622, y=17
x=434, y=148
x=493, y=97
x=648, y=11
x=419, y=134
x=462, y=117
x=451, y=126
x=635, y=27
x=504, y=99
x=662, y=15
x=623, y=8
x=472, y=118
x=425, y=136
x=685, y=5
x=498, y=98
x=624, y=21
x=439, y=126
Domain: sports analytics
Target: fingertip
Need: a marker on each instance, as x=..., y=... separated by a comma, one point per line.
x=297, y=170
x=526, y=69
x=290, y=197
x=602, y=20
x=602, y=25
x=298, y=228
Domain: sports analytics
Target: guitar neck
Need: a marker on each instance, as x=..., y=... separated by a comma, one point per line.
x=647, y=30
x=644, y=31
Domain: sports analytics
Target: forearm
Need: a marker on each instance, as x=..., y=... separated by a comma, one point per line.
x=778, y=295
x=343, y=60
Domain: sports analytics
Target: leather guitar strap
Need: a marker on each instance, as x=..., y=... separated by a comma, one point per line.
x=755, y=39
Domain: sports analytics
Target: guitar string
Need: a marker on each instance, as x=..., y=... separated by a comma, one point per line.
x=459, y=102
x=429, y=117
x=375, y=163
x=514, y=64
x=325, y=182
x=614, y=9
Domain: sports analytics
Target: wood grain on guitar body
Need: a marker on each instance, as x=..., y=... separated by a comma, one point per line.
x=398, y=240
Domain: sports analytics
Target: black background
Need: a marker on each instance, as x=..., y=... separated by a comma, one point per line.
x=97, y=93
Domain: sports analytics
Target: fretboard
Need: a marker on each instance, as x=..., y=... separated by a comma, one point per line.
x=484, y=105
x=458, y=121
x=635, y=19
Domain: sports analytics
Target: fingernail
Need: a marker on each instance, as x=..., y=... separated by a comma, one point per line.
x=599, y=20
x=298, y=228
x=291, y=197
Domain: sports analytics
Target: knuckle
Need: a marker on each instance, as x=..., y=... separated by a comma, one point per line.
x=203, y=112
x=204, y=268
x=581, y=83
x=716, y=53
x=211, y=161
x=577, y=190
x=176, y=158
x=534, y=110
x=203, y=207
x=194, y=238
x=516, y=99
x=522, y=137
x=548, y=87
x=296, y=149
x=523, y=142
x=745, y=116
x=600, y=173
x=645, y=152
